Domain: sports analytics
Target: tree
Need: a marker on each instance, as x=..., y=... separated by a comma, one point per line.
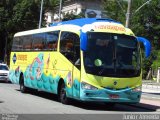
x=19, y=15
x=72, y=16
x=6, y=12
x=115, y=9
x=146, y=23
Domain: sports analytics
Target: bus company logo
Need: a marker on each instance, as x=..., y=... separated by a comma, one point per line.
x=14, y=58
x=115, y=82
x=110, y=27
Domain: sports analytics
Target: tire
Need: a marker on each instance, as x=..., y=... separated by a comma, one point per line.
x=62, y=94
x=7, y=81
x=23, y=89
x=109, y=105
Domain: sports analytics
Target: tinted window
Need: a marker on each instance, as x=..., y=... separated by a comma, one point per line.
x=38, y=41
x=17, y=44
x=3, y=67
x=51, y=40
x=112, y=55
x=27, y=42
x=69, y=46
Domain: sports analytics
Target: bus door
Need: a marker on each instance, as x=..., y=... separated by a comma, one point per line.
x=76, y=68
x=70, y=48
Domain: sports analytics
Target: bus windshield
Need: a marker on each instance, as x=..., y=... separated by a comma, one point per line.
x=117, y=55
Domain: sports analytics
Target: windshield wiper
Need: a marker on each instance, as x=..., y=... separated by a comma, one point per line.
x=101, y=71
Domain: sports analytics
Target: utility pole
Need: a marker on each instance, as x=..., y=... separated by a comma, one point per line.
x=142, y=6
x=60, y=8
x=40, y=19
x=128, y=14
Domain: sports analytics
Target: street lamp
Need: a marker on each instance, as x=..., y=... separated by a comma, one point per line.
x=60, y=8
x=129, y=11
x=142, y=6
x=40, y=19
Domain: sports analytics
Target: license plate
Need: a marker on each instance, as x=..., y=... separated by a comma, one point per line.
x=113, y=96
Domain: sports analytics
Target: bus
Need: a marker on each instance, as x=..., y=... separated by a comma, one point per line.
x=87, y=59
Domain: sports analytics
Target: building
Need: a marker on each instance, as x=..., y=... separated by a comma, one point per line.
x=90, y=8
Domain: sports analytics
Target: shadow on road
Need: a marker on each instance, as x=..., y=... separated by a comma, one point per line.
x=8, y=82
x=148, y=106
x=118, y=107
x=99, y=106
x=42, y=94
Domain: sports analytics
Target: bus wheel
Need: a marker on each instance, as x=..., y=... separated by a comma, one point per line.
x=62, y=94
x=23, y=89
x=109, y=105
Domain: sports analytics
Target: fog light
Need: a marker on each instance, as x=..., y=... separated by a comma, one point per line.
x=88, y=86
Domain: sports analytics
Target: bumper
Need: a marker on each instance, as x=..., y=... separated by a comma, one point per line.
x=104, y=95
x=4, y=78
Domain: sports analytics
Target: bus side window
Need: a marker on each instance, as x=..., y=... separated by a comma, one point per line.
x=27, y=42
x=38, y=41
x=51, y=40
x=17, y=44
x=66, y=45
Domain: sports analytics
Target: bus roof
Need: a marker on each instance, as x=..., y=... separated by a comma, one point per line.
x=34, y=31
x=77, y=24
x=83, y=21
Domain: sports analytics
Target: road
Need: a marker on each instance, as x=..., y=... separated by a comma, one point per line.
x=12, y=101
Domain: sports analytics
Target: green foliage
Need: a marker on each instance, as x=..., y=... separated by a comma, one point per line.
x=50, y=5
x=115, y=9
x=25, y=15
x=145, y=23
x=20, y=15
x=146, y=64
x=156, y=57
x=72, y=16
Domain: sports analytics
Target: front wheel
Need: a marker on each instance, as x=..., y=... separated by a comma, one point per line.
x=109, y=105
x=62, y=94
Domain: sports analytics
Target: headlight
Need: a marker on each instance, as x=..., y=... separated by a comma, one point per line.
x=88, y=86
x=137, y=89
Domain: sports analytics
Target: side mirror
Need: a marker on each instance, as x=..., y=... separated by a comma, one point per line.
x=146, y=44
x=83, y=41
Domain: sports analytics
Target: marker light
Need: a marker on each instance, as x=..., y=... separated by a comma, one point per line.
x=88, y=86
x=137, y=89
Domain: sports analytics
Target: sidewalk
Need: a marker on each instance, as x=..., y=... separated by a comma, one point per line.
x=150, y=95
x=150, y=86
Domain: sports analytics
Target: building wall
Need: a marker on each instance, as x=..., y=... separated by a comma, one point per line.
x=90, y=8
